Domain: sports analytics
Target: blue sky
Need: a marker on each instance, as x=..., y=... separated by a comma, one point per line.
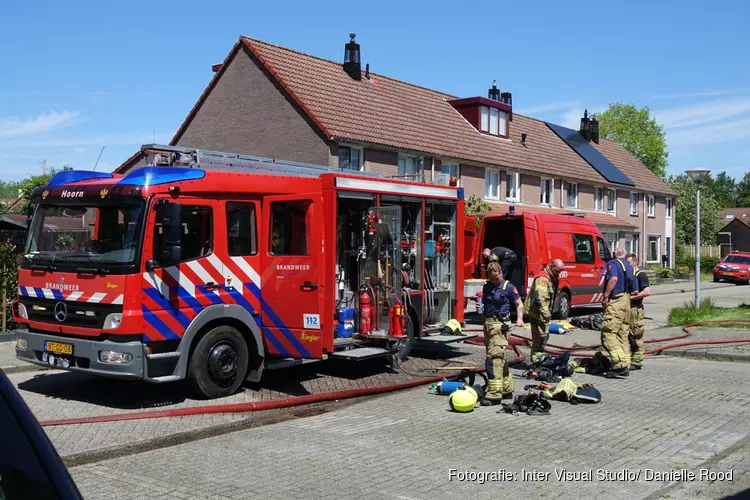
x=79, y=76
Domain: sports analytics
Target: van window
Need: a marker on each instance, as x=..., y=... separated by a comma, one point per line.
x=584, y=248
x=603, y=250
x=559, y=247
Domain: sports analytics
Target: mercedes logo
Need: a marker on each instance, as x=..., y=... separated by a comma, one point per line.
x=61, y=311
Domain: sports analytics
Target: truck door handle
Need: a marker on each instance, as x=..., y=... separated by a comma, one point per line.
x=308, y=287
x=210, y=286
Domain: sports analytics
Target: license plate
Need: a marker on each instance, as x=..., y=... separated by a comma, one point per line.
x=58, y=347
x=728, y=273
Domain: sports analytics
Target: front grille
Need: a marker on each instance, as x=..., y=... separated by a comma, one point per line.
x=76, y=312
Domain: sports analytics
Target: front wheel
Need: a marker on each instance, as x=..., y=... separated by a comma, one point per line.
x=218, y=364
x=563, y=305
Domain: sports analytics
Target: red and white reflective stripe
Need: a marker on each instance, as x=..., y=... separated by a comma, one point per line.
x=96, y=298
x=246, y=268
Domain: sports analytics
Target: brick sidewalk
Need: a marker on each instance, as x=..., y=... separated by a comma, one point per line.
x=677, y=414
x=55, y=394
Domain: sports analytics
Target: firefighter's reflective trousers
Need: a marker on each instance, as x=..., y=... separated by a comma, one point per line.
x=615, y=331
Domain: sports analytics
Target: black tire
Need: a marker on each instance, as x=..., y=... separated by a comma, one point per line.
x=716, y=279
x=218, y=365
x=563, y=305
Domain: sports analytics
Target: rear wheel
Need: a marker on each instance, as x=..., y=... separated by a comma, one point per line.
x=563, y=305
x=218, y=364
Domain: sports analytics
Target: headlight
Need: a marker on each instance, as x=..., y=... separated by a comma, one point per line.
x=22, y=311
x=112, y=321
x=114, y=357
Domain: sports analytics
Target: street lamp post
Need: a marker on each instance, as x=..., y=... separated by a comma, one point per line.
x=697, y=175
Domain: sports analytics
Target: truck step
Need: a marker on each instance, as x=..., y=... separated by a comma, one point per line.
x=358, y=354
x=447, y=339
x=279, y=363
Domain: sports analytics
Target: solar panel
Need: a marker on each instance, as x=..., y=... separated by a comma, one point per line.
x=592, y=156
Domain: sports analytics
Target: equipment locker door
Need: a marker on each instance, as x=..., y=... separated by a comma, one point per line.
x=292, y=288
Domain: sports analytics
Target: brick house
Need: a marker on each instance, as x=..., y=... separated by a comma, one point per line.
x=267, y=100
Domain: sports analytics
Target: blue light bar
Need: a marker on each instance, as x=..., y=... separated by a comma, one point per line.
x=67, y=176
x=461, y=193
x=153, y=176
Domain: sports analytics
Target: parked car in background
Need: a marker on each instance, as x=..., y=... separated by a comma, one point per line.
x=735, y=267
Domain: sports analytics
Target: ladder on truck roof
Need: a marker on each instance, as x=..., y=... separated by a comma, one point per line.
x=177, y=156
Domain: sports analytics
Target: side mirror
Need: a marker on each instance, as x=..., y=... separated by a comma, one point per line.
x=170, y=214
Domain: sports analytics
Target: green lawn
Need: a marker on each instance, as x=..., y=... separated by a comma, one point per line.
x=688, y=314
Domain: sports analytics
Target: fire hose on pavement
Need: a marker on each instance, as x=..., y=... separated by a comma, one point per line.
x=254, y=406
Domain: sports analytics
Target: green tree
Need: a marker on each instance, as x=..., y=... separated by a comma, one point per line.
x=724, y=189
x=27, y=185
x=637, y=132
x=477, y=207
x=743, y=191
x=685, y=211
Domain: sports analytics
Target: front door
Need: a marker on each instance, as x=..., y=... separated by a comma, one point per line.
x=292, y=293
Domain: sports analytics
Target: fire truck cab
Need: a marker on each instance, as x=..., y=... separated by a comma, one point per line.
x=214, y=267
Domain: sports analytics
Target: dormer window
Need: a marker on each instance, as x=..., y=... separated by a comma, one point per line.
x=494, y=121
x=490, y=115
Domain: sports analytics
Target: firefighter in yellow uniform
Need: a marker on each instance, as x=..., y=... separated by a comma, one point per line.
x=637, y=323
x=539, y=305
x=497, y=296
x=619, y=282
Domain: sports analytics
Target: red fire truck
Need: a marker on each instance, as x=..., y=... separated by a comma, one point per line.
x=214, y=267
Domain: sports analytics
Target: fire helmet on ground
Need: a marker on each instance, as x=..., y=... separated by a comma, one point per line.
x=463, y=399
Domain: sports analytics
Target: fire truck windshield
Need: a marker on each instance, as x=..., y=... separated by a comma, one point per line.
x=86, y=238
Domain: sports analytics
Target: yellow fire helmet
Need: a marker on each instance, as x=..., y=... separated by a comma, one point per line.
x=463, y=399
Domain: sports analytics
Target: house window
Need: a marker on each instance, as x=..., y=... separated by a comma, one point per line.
x=630, y=243
x=546, y=191
x=512, y=186
x=449, y=170
x=669, y=208
x=491, y=184
x=350, y=158
x=572, y=195
x=410, y=168
x=599, y=199
x=653, y=248
x=633, y=203
x=651, y=205
x=494, y=121
x=611, y=200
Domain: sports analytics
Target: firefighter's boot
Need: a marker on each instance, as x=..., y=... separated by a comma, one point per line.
x=507, y=387
x=494, y=390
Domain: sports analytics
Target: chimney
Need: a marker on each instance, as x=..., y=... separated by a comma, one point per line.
x=367, y=71
x=585, y=129
x=217, y=67
x=494, y=93
x=352, y=64
x=594, y=128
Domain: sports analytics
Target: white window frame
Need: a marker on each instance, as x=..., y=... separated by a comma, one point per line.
x=418, y=163
x=486, y=116
x=630, y=243
x=361, y=151
x=488, y=174
x=633, y=207
x=517, y=177
x=484, y=119
x=658, y=249
x=452, y=164
x=612, y=195
x=650, y=205
x=670, y=207
x=567, y=195
x=600, y=206
x=551, y=193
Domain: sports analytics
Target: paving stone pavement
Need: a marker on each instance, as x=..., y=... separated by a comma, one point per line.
x=56, y=394
x=678, y=413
